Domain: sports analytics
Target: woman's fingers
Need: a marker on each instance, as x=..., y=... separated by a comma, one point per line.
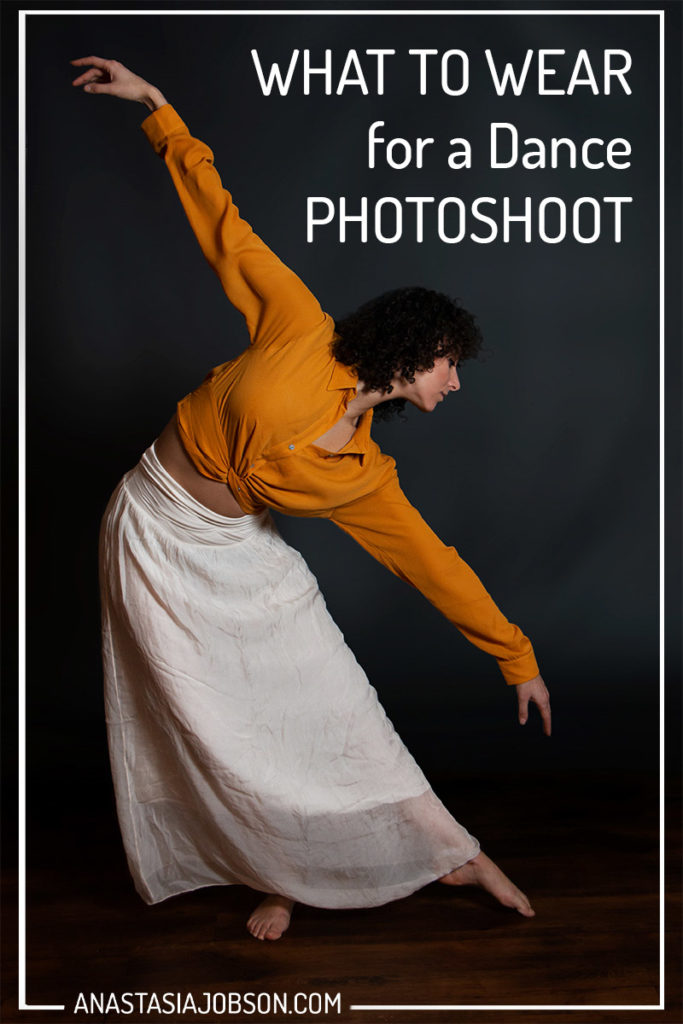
x=95, y=80
x=93, y=75
x=536, y=691
x=544, y=708
x=112, y=78
x=99, y=87
x=98, y=62
x=523, y=702
x=99, y=75
x=543, y=705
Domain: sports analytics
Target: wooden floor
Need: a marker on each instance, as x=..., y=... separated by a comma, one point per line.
x=585, y=851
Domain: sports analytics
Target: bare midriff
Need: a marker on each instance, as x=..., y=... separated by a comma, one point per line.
x=212, y=494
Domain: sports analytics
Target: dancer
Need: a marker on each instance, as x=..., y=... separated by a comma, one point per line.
x=246, y=743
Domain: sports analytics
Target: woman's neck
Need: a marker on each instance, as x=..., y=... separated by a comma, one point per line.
x=366, y=399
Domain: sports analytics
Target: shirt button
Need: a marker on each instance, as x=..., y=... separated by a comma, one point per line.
x=291, y=447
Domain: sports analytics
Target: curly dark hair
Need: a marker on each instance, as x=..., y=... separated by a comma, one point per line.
x=401, y=332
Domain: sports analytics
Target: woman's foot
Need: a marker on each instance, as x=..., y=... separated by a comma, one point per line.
x=271, y=918
x=483, y=872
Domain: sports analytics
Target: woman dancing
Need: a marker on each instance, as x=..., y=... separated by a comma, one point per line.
x=246, y=743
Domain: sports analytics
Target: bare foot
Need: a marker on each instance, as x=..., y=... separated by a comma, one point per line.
x=483, y=872
x=271, y=918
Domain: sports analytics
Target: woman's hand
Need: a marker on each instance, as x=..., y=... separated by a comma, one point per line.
x=535, y=690
x=111, y=78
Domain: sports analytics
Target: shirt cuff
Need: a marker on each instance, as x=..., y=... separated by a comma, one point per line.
x=520, y=670
x=160, y=124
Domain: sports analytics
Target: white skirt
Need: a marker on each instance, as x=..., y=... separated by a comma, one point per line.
x=246, y=743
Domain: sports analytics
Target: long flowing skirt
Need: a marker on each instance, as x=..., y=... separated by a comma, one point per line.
x=246, y=743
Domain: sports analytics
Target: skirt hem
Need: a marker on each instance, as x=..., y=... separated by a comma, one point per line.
x=408, y=889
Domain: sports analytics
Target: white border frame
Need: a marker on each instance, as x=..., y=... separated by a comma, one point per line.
x=659, y=13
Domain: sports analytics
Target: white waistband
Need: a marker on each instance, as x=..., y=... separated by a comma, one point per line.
x=151, y=486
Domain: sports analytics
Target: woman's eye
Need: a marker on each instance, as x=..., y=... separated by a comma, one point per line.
x=451, y=362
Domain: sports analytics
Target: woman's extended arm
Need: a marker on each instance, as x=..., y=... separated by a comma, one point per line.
x=275, y=303
x=392, y=530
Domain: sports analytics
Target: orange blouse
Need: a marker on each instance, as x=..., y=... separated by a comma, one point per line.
x=252, y=422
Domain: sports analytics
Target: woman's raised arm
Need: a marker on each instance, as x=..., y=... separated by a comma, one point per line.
x=275, y=303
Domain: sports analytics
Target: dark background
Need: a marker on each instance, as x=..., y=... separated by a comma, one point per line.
x=543, y=471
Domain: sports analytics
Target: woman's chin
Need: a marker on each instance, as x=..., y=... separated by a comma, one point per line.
x=425, y=405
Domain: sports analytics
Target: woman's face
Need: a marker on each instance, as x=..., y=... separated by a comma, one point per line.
x=431, y=386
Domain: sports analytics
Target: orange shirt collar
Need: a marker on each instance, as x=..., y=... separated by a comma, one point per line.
x=342, y=377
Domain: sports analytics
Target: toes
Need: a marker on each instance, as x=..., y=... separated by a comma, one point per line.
x=524, y=907
x=255, y=927
x=263, y=929
x=269, y=920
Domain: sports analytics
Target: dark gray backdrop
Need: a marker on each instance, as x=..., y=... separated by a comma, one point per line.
x=543, y=471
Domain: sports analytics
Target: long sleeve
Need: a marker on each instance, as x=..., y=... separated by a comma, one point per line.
x=273, y=300
x=392, y=531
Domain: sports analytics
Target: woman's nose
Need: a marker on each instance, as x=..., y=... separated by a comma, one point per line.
x=454, y=382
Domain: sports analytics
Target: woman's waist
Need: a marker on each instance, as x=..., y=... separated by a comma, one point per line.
x=214, y=495
x=168, y=501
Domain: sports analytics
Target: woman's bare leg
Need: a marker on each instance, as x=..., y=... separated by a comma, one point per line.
x=483, y=872
x=271, y=918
